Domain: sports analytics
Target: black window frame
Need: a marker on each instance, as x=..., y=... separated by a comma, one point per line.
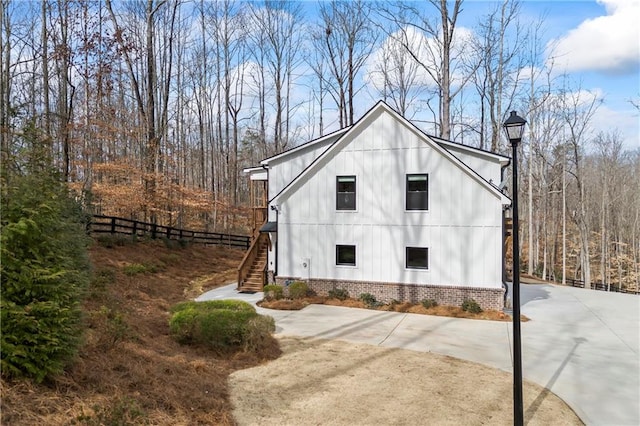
x=416, y=199
x=346, y=200
x=425, y=257
x=345, y=246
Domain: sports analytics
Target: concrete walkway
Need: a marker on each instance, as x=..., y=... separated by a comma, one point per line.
x=583, y=345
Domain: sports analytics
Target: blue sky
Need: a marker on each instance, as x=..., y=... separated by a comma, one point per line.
x=597, y=44
x=601, y=43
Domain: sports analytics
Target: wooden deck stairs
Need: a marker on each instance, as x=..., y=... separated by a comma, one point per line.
x=508, y=227
x=252, y=270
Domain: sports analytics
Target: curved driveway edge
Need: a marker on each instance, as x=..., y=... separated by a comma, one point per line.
x=582, y=345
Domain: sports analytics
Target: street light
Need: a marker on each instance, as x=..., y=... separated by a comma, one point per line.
x=514, y=127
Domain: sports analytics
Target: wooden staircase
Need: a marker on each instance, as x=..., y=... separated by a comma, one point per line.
x=508, y=227
x=251, y=272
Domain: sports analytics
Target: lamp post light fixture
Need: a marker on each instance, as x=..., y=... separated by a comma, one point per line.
x=514, y=127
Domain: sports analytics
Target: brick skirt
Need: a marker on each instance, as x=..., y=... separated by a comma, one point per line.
x=487, y=298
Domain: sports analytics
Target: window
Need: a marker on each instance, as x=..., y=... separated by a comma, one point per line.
x=418, y=192
x=346, y=193
x=346, y=255
x=417, y=258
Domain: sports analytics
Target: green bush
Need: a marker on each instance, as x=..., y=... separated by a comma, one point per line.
x=138, y=268
x=298, y=290
x=273, y=292
x=339, y=293
x=210, y=305
x=470, y=305
x=44, y=268
x=369, y=300
x=429, y=303
x=258, y=333
x=219, y=324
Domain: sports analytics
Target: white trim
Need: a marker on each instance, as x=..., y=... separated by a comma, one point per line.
x=335, y=194
x=378, y=109
x=416, y=269
x=335, y=261
x=257, y=173
x=502, y=159
x=304, y=146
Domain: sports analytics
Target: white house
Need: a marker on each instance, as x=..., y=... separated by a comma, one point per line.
x=382, y=208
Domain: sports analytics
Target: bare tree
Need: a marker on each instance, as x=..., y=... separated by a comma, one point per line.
x=5, y=80
x=396, y=75
x=578, y=108
x=436, y=53
x=497, y=60
x=346, y=38
x=152, y=111
x=279, y=26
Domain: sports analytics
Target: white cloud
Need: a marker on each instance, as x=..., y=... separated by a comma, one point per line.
x=426, y=49
x=609, y=43
x=606, y=117
x=626, y=121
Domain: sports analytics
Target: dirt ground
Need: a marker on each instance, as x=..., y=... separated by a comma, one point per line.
x=322, y=382
x=129, y=371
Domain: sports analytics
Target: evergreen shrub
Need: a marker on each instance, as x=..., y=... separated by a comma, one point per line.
x=339, y=293
x=273, y=292
x=298, y=290
x=470, y=305
x=219, y=324
x=44, y=267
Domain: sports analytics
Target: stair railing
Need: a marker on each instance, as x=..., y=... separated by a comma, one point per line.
x=250, y=257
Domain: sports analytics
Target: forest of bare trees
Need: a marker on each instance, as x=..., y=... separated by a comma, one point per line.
x=150, y=109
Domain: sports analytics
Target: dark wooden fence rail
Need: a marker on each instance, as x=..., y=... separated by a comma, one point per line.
x=116, y=225
x=597, y=285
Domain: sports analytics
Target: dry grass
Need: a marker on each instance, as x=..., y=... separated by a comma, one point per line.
x=129, y=371
x=443, y=311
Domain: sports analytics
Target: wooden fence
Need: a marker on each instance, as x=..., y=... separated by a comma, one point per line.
x=596, y=285
x=116, y=225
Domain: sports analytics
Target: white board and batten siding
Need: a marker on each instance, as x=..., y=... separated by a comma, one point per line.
x=462, y=228
x=487, y=165
x=285, y=167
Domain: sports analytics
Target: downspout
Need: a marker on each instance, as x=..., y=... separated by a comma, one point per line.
x=504, y=249
x=275, y=269
x=276, y=209
x=265, y=277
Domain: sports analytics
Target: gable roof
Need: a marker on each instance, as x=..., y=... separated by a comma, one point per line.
x=502, y=159
x=378, y=109
x=312, y=143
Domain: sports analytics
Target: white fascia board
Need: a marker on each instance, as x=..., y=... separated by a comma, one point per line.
x=446, y=153
x=502, y=159
x=378, y=109
x=284, y=155
x=344, y=135
x=256, y=173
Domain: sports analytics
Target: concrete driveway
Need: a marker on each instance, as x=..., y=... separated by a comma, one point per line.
x=583, y=345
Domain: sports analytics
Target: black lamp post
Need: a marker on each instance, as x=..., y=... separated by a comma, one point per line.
x=514, y=127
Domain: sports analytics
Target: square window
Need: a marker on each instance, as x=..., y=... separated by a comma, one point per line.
x=346, y=193
x=417, y=258
x=417, y=192
x=346, y=255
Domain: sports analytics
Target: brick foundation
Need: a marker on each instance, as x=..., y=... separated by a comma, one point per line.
x=487, y=298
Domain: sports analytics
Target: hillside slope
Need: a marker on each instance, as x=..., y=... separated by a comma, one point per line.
x=129, y=371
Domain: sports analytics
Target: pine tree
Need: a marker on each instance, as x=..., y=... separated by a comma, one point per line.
x=44, y=265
